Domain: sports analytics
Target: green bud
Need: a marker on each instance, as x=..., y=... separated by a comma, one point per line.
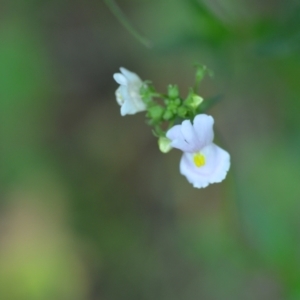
x=167, y=115
x=177, y=101
x=155, y=112
x=173, y=91
x=164, y=144
x=200, y=73
x=181, y=111
x=172, y=107
x=193, y=100
x=196, y=101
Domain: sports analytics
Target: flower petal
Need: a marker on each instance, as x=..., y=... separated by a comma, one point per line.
x=127, y=109
x=203, y=125
x=177, y=139
x=120, y=79
x=189, y=135
x=217, y=164
x=130, y=75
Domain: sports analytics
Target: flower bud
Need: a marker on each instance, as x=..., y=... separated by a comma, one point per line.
x=164, y=144
x=173, y=91
x=168, y=115
x=155, y=112
x=200, y=73
x=196, y=101
x=182, y=112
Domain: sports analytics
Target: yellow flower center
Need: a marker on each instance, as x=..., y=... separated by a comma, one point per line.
x=199, y=160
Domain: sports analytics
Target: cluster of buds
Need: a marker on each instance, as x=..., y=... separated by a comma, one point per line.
x=177, y=123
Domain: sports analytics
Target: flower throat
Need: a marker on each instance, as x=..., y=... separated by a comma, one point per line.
x=199, y=160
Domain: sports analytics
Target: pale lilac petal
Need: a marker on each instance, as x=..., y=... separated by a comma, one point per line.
x=130, y=75
x=215, y=169
x=203, y=125
x=182, y=145
x=120, y=79
x=174, y=133
x=222, y=164
x=192, y=138
x=189, y=135
x=177, y=139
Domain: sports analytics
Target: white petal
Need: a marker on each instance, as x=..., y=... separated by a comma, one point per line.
x=174, y=133
x=189, y=135
x=192, y=138
x=217, y=164
x=139, y=104
x=128, y=108
x=130, y=75
x=203, y=125
x=177, y=139
x=120, y=79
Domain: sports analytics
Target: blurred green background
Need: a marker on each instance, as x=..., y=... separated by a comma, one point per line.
x=90, y=209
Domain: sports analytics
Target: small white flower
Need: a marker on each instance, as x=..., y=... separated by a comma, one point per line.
x=202, y=162
x=128, y=93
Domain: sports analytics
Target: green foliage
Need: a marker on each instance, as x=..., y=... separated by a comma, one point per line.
x=117, y=221
x=176, y=107
x=173, y=92
x=24, y=88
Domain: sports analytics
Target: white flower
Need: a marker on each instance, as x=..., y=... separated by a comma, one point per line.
x=202, y=162
x=128, y=93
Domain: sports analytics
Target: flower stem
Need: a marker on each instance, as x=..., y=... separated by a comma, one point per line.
x=115, y=9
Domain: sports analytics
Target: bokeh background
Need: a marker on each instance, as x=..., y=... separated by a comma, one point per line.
x=89, y=207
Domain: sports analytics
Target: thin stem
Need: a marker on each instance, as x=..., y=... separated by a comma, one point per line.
x=117, y=12
x=158, y=95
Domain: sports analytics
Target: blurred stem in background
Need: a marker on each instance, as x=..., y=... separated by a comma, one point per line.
x=115, y=9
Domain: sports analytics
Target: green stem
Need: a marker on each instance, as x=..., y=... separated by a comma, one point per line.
x=115, y=9
x=158, y=95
